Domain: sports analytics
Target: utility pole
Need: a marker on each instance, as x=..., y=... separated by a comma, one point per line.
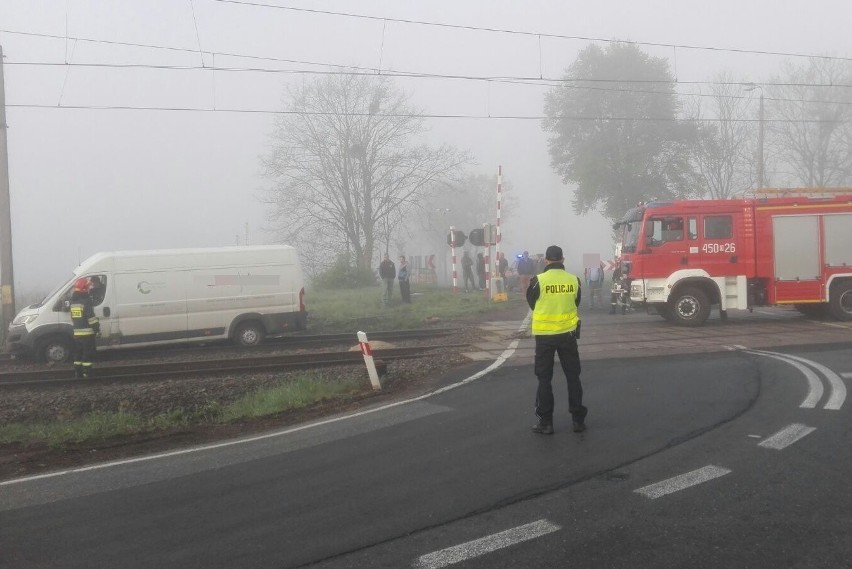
x=7, y=291
x=760, y=122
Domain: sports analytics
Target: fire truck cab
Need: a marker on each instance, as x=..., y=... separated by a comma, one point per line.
x=779, y=247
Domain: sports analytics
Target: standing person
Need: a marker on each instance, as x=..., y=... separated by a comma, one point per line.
x=404, y=284
x=387, y=271
x=554, y=296
x=502, y=265
x=526, y=269
x=480, y=270
x=619, y=293
x=467, y=271
x=86, y=327
x=595, y=281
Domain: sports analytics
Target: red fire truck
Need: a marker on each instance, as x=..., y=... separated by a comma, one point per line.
x=780, y=247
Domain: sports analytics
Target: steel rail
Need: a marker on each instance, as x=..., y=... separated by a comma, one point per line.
x=194, y=368
x=271, y=343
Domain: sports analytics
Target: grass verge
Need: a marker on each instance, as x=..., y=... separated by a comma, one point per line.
x=297, y=393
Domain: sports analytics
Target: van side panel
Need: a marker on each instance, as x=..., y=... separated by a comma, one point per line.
x=218, y=297
x=150, y=306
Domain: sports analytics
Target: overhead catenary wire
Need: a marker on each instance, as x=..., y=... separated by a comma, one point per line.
x=419, y=115
x=530, y=81
x=526, y=33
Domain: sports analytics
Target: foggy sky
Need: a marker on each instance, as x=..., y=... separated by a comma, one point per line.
x=85, y=180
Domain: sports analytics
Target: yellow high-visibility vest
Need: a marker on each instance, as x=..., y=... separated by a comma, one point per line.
x=556, y=308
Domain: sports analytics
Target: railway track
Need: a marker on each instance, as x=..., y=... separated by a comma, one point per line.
x=271, y=344
x=53, y=377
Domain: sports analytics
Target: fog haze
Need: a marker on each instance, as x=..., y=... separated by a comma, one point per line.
x=91, y=179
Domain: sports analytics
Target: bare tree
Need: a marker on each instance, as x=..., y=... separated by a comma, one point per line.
x=723, y=148
x=809, y=118
x=344, y=163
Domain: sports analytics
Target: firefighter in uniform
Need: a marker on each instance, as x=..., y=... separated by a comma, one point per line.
x=86, y=328
x=554, y=296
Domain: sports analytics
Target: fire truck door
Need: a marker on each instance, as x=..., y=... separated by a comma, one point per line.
x=717, y=245
x=796, y=258
x=665, y=241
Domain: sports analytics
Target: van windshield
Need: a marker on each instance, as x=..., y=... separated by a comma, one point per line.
x=50, y=295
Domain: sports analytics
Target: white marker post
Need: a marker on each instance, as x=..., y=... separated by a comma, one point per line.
x=368, y=359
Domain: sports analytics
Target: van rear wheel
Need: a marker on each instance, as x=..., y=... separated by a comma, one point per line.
x=54, y=350
x=249, y=334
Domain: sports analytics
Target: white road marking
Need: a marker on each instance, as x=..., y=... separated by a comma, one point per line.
x=838, y=388
x=846, y=374
x=682, y=481
x=484, y=545
x=507, y=353
x=787, y=436
x=815, y=389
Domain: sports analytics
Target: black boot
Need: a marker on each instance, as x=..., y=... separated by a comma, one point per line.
x=78, y=371
x=543, y=428
x=579, y=420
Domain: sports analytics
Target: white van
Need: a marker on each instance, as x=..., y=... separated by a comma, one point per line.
x=145, y=298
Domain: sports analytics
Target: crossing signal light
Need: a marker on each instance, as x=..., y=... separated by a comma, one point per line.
x=459, y=237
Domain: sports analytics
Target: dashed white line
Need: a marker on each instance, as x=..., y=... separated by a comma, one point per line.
x=488, y=544
x=682, y=481
x=787, y=436
x=847, y=374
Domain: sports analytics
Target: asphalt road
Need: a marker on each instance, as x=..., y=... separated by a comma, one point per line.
x=728, y=458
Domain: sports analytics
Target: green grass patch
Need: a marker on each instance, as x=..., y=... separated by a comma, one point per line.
x=297, y=394
x=303, y=391
x=350, y=310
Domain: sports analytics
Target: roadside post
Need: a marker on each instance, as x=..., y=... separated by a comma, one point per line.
x=368, y=360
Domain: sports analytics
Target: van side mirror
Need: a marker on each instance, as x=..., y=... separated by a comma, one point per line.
x=106, y=311
x=66, y=305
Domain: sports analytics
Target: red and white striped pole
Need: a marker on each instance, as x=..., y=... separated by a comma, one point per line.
x=455, y=272
x=485, y=231
x=368, y=359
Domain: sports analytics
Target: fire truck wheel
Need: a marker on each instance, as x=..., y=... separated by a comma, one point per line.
x=691, y=307
x=840, y=301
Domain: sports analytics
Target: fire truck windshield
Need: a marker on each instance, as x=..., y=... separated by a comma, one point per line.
x=630, y=226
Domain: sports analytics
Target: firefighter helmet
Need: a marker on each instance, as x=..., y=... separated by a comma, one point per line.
x=82, y=285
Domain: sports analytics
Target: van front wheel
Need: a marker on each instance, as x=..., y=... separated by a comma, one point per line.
x=54, y=350
x=249, y=334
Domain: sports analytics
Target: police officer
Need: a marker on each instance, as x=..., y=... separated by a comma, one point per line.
x=554, y=296
x=86, y=327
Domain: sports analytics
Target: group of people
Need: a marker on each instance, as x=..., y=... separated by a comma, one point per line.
x=467, y=270
x=388, y=273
